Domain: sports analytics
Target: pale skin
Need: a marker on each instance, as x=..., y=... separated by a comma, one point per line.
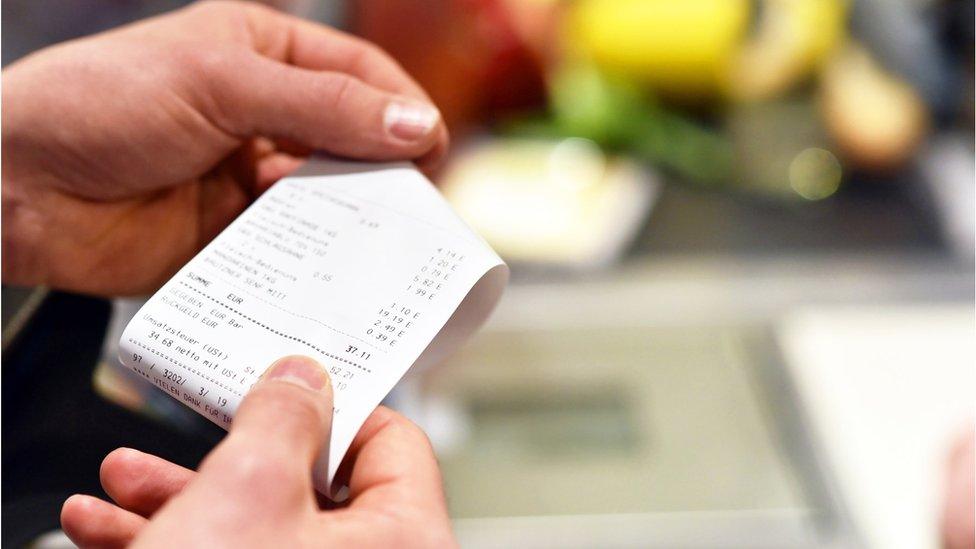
x=123, y=154
x=255, y=490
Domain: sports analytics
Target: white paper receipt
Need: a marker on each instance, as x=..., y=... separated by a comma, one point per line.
x=363, y=267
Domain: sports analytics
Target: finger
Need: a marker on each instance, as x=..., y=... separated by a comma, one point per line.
x=225, y=198
x=257, y=164
x=277, y=433
x=91, y=522
x=312, y=46
x=327, y=110
x=393, y=466
x=273, y=167
x=141, y=482
x=434, y=158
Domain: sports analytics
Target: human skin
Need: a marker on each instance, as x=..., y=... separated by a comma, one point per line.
x=255, y=488
x=125, y=152
x=958, y=511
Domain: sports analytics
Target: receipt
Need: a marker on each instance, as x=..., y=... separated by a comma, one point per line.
x=363, y=267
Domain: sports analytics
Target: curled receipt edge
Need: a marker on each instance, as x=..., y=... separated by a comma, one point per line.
x=362, y=266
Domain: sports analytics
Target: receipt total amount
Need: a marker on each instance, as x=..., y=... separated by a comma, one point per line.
x=363, y=267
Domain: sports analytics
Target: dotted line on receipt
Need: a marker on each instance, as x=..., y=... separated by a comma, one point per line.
x=275, y=331
x=293, y=313
x=184, y=366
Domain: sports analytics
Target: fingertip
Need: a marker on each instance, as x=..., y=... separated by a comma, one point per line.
x=285, y=418
x=411, y=121
x=300, y=370
x=431, y=162
x=272, y=168
x=324, y=110
x=73, y=512
x=141, y=482
x=91, y=522
x=119, y=463
x=123, y=473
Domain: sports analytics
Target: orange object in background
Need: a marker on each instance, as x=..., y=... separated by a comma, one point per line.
x=467, y=54
x=876, y=119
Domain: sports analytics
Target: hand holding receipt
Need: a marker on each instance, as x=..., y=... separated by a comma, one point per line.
x=363, y=267
x=130, y=151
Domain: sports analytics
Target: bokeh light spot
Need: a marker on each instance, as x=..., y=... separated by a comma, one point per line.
x=815, y=174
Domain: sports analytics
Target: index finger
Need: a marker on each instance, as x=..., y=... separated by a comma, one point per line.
x=393, y=466
x=309, y=45
x=313, y=46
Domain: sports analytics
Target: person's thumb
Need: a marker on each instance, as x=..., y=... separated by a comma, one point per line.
x=325, y=110
x=278, y=430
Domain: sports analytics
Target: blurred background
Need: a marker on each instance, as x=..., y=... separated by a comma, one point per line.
x=742, y=309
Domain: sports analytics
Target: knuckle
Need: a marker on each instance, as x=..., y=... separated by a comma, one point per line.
x=340, y=89
x=374, y=51
x=254, y=13
x=206, y=62
x=212, y=78
x=121, y=464
x=256, y=470
x=74, y=515
x=119, y=459
x=387, y=61
x=265, y=473
x=216, y=7
x=411, y=431
x=364, y=53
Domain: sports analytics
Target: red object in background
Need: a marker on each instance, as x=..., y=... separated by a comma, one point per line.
x=465, y=53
